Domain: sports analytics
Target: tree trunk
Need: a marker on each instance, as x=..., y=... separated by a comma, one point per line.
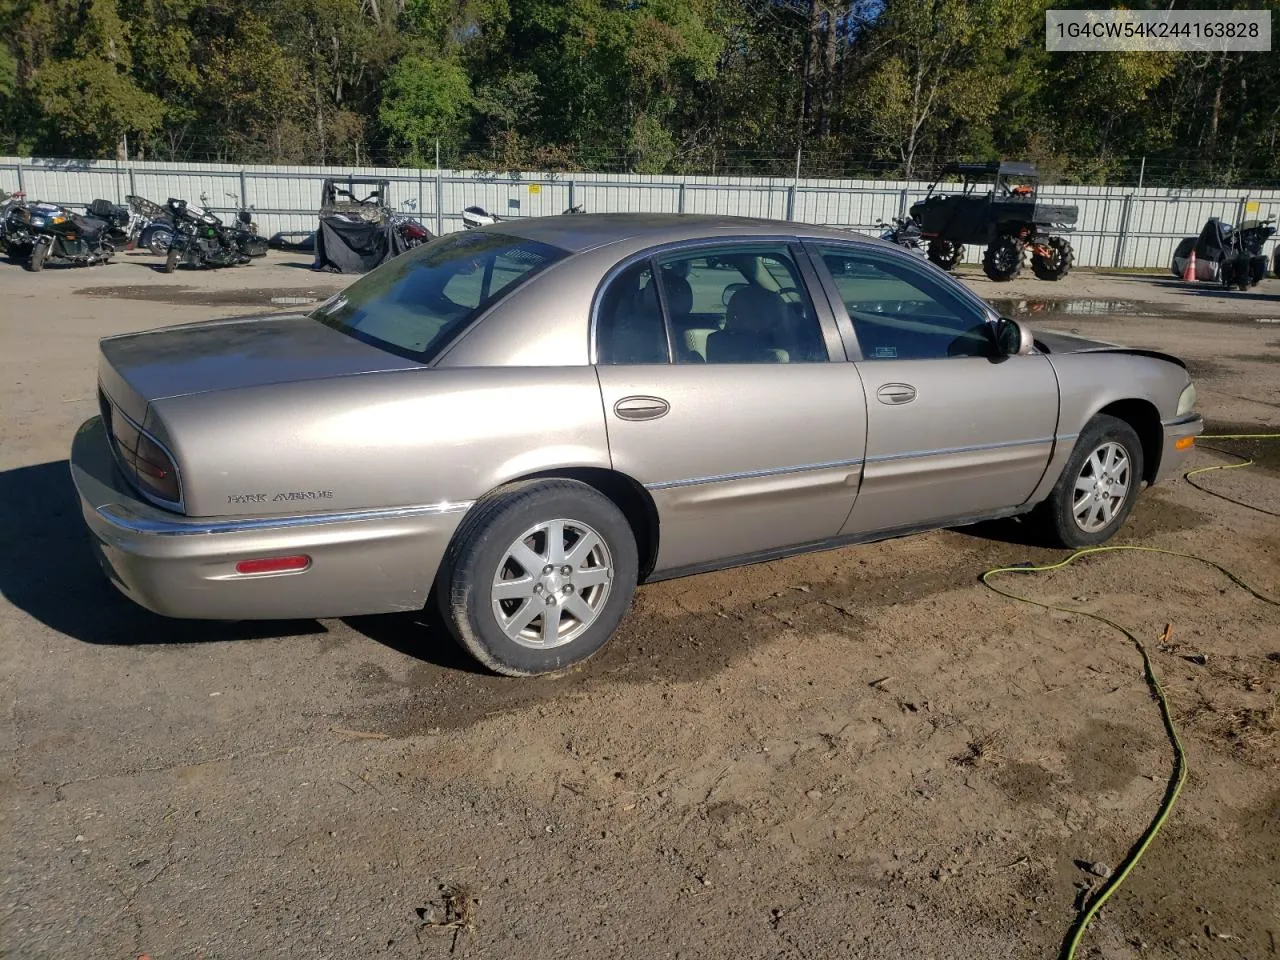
x=807, y=72
x=828, y=72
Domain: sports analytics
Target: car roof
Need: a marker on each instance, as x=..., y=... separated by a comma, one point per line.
x=587, y=231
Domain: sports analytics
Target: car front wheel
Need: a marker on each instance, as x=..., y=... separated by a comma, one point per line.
x=1096, y=491
x=538, y=577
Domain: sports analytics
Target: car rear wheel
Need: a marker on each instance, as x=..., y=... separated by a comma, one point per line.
x=1003, y=259
x=1097, y=488
x=538, y=577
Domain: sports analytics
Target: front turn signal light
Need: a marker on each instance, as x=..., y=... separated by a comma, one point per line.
x=1184, y=443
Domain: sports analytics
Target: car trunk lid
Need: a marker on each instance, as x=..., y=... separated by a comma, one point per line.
x=136, y=370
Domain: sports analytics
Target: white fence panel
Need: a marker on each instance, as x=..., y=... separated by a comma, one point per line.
x=1117, y=226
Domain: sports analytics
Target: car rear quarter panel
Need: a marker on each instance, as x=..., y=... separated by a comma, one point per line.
x=1091, y=380
x=402, y=438
x=545, y=323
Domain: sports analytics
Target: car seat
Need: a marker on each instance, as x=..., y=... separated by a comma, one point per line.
x=754, y=321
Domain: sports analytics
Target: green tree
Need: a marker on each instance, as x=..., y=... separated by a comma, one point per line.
x=424, y=98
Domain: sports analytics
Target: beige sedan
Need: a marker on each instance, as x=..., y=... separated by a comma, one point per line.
x=522, y=422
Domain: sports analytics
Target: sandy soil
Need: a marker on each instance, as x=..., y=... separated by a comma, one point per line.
x=861, y=753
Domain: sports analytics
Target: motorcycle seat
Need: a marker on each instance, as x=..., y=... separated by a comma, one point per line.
x=91, y=228
x=105, y=209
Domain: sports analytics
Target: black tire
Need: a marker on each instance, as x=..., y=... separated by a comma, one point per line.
x=946, y=253
x=39, y=253
x=170, y=261
x=1056, y=266
x=1235, y=273
x=479, y=554
x=1056, y=515
x=19, y=253
x=1275, y=265
x=1003, y=259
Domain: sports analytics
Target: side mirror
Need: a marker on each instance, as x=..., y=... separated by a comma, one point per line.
x=244, y=216
x=1013, y=339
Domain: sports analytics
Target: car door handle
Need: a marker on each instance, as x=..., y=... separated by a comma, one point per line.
x=641, y=408
x=893, y=393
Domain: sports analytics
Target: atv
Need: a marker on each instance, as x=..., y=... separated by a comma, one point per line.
x=1007, y=219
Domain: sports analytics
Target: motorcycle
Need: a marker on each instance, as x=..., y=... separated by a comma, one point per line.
x=244, y=232
x=7, y=202
x=42, y=232
x=905, y=233
x=1232, y=256
x=411, y=230
x=118, y=219
x=473, y=217
x=200, y=239
x=155, y=225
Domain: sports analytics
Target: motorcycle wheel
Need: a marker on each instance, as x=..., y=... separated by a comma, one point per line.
x=159, y=242
x=38, y=254
x=171, y=261
x=946, y=253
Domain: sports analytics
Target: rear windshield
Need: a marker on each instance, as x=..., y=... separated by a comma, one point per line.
x=417, y=303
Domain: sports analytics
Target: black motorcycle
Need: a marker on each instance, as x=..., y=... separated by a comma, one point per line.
x=244, y=232
x=905, y=233
x=155, y=227
x=200, y=239
x=40, y=233
x=1232, y=256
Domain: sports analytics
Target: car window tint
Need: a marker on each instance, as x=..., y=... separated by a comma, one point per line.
x=900, y=312
x=417, y=303
x=740, y=304
x=629, y=327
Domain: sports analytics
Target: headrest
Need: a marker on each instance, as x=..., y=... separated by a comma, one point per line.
x=756, y=310
x=679, y=293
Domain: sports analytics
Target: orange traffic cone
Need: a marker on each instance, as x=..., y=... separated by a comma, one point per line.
x=1189, y=271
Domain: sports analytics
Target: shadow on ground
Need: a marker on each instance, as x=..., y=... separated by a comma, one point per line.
x=48, y=570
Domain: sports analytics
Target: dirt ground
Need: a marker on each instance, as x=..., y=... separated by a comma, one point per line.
x=861, y=753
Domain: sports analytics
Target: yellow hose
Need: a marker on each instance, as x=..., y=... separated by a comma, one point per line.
x=1245, y=462
x=1076, y=932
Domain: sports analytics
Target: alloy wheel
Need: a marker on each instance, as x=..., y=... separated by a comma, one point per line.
x=552, y=584
x=1101, y=487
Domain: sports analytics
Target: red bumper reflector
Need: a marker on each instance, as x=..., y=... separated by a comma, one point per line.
x=273, y=564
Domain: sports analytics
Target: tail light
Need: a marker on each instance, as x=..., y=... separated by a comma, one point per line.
x=157, y=473
x=143, y=461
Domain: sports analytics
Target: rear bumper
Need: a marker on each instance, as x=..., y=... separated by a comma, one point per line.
x=369, y=561
x=1173, y=459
